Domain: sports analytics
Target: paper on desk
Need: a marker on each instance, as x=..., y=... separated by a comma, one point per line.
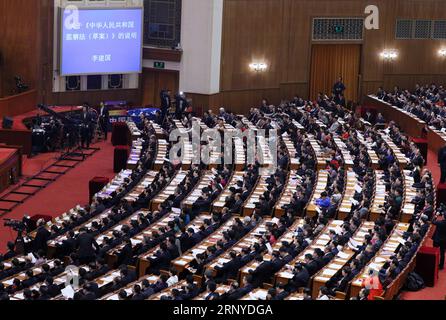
x=342, y=255
x=329, y=272
x=259, y=295
x=68, y=292
x=270, y=249
x=31, y=256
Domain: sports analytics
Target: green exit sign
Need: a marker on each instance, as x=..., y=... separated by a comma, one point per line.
x=159, y=65
x=339, y=29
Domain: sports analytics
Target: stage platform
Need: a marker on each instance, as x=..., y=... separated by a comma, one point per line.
x=20, y=135
x=10, y=166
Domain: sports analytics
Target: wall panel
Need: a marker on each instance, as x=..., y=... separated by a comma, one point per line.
x=279, y=31
x=18, y=43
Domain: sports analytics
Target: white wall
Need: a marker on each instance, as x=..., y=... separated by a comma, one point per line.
x=201, y=35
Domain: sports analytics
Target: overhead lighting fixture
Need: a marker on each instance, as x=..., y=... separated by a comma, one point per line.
x=442, y=52
x=258, y=66
x=389, y=55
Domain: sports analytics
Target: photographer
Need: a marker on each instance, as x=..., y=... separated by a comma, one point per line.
x=42, y=237
x=439, y=236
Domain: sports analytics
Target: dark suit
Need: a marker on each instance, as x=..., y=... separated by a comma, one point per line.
x=439, y=238
x=442, y=162
x=229, y=270
x=262, y=273
x=300, y=279
x=85, y=243
x=104, y=119
x=125, y=255
x=41, y=239
x=86, y=130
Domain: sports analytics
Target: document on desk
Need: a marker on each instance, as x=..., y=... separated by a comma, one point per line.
x=329, y=272
x=270, y=249
x=68, y=292
x=342, y=255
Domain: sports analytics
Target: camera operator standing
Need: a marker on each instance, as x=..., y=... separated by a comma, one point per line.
x=439, y=236
x=86, y=127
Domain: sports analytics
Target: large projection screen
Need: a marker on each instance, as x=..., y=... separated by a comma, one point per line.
x=101, y=41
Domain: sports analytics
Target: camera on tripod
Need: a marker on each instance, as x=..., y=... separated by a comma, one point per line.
x=441, y=210
x=16, y=225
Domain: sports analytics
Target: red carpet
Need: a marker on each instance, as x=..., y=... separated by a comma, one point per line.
x=63, y=194
x=439, y=291
x=72, y=189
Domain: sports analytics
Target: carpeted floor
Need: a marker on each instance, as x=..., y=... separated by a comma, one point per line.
x=72, y=189
x=439, y=291
x=63, y=194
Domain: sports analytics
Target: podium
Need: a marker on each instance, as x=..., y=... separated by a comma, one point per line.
x=427, y=264
x=97, y=184
x=120, y=134
x=120, y=159
x=441, y=193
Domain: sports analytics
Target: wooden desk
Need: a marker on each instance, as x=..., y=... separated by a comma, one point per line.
x=161, y=154
x=341, y=259
x=221, y=290
x=159, y=132
x=135, y=154
x=10, y=166
x=408, y=122
x=321, y=157
x=135, y=133
x=321, y=184
x=388, y=249
x=295, y=296
x=183, y=262
x=292, y=182
x=144, y=259
x=52, y=244
x=407, y=207
x=256, y=294
x=169, y=190
x=321, y=241
x=114, y=185
x=102, y=281
x=399, y=156
x=239, y=154
x=139, y=238
x=246, y=242
x=374, y=159
x=266, y=158
x=59, y=280
x=145, y=182
x=379, y=198
x=436, y=140
x=152, y=279
x=288, y=236
x=22, y=275
x=247, y=123
x=168, y=291
x=127, y=222
x=197, y=191
x=187, y=154
x=294, y=162
x=348, y=160
x=219, y=203
x=346, y=204
x=261, y=186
